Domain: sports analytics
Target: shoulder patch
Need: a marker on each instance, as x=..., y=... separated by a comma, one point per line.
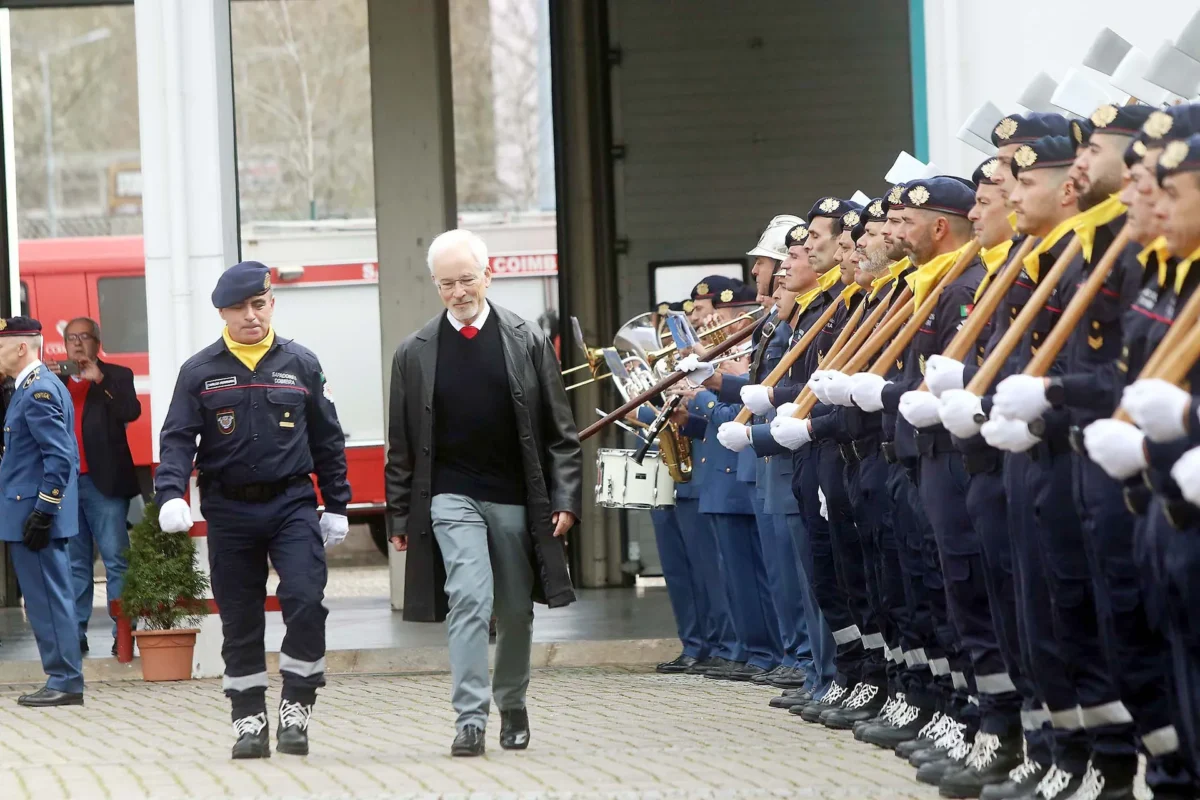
x=42, y=396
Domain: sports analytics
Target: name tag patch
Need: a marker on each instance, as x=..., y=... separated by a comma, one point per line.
x=220, y=383
x=284, y=379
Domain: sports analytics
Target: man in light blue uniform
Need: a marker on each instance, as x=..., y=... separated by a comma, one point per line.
x=39, y=508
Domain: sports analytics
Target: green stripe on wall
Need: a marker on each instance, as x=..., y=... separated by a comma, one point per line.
x=920, y=105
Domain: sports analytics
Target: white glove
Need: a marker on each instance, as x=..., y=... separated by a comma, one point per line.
x=867, y=391
x=734, y=435
x=175, y=516
x=818, y=382
x=757, y=398
x=920, y=408
x=334, y=528
x=837, y=388
x=790, y=432
x=697, y=371
x=943, y=374
x=1186, y=473
x=958, y=410
x=1118, y=447
x=824, y=505
x=1011, y=435
x=787, y=410
x=1158, y=408
x=1021, y=397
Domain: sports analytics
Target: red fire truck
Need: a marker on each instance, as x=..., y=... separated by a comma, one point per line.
x=319, y=270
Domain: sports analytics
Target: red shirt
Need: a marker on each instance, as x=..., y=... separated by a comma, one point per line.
x=79, y=391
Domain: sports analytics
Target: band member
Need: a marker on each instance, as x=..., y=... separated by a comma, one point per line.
x=476, y=392
x=264, y=415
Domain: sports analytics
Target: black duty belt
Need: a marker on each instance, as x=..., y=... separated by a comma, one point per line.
x=934, y=442
x=251, y=492
x=1181, y=514
x=889, y=451
x=846, y=449
x=866, y=446
x=982, y=460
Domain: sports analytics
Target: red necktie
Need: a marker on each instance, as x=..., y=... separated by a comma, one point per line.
x=469, y=331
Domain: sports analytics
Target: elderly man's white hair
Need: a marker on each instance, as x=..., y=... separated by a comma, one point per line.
x=457, y=238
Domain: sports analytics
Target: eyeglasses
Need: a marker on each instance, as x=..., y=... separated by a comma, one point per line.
x=81, y=338
x=447, y=286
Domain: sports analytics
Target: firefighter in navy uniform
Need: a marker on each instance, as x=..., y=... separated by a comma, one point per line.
x=266, y=421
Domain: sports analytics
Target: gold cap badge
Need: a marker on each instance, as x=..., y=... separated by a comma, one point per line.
x=851, y=219
x=876, y=209
x=1077, y=132
x=266, y=281
x=1158, y=124
x=918, y=195
x=726, y=295
x=3, y=324
x=688, y=305
x=702, y=288
x=663, y=308
x=1139, y=148
x=1025, y=156
x=1103, y=116
x=989, y=167
x=1174, y=155
x=1006, y=128
x=894, y=194
x=798, y=233
x=829, y=204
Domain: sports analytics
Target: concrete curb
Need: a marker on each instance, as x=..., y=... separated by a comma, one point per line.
x=615, y=652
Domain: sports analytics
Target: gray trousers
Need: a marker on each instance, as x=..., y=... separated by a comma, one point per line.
x=487, y=552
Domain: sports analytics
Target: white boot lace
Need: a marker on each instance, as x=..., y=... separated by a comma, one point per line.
x=1092, y=786
x=294, y=714
x=1024, y=771
x=866, y=695
x=1053, y=784
x=849, y=702
x=984, y=751
x=889, y=708
x=833, y=695
x=934, y=727
x=906, y=715
x=952, y=736
x=252, y=724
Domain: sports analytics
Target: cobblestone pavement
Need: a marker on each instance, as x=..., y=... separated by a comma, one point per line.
x=596, y=733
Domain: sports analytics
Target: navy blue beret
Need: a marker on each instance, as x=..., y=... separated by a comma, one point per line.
x=1081, y=131
x=241, y=282
x=1122, y=120
x=942, y=193
x=20, y=326
x=875, y=211
x=1177, y=122
x=984, y=172
x=1022, y=128
x=710, y=287
x=1181, y=155
x=892, y=198
x=830, y=207
x=736, y=293
x=1045, y=153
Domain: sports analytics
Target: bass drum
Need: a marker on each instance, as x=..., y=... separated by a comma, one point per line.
x=623, y=483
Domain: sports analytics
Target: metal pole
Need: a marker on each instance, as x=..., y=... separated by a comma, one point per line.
x=48, y=137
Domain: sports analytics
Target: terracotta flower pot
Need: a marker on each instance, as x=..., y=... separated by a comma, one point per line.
x=166, y=655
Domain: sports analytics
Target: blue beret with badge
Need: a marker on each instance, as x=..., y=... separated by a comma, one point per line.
x=241, y=282
x=735, y=293
x=830, y=207
x=1179, y=156
x=944, y=194
x=1176, y=122
x=1119, y=120
x=20, y=326
x=710, y=287
x=1047, y=152
x=983, y=174
x=1022, y=128
x=1081, y=132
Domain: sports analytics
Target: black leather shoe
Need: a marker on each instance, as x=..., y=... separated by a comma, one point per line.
x=933, y=772
x=725, y=670
x=679, y=665
x=746, y=673
x=789, y=678
x=789, y=701
x=1021, y=782
x=990, y=762
x=469, y=742
x=514, y=729
x=701, y=667
x=47, y=697
x=833, y=698
x=254, y=737
x=293, y=727
x=762, y=678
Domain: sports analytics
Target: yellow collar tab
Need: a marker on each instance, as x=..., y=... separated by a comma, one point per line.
x=897, y=268
x=805, y=300
x=1012, y=220
x=878, y=284
x=249, y=354
x=1032, y=261
x=1162, y=255
x=929, y=273
x=829, y=279
x=1181, y=271
x=1100, y=214
x=993, y=259
x=849, y=292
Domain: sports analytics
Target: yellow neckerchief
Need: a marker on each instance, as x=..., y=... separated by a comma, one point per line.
x=1033, y=263
x=898, y=268
x=849, y=292
x=1012, y=220
x=877, y=285
x=805, y=300
x=993, y=259
x=829, y=279
x=929, y=273
x=249, y=354
x=1099, y=214
x=1159, y=249
x=1181, y=271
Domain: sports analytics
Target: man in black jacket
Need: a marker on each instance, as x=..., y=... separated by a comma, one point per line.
x=484, y=478
x=105, y=402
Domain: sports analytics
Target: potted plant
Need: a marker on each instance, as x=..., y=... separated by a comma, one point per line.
x=164, y=590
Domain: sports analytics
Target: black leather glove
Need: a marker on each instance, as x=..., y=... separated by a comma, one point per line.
x=37, y=530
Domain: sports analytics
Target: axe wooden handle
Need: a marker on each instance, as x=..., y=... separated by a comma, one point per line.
x=993, y=295
x=790, y=357
x=900, y=343
x=995, y=362
x=1073, y=313
x=1174, y=349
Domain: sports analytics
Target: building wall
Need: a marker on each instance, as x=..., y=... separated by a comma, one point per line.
x=983, y=51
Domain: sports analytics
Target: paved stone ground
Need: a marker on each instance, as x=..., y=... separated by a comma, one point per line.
x=597, y=733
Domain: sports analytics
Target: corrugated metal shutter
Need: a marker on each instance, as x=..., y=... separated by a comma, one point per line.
x=732, y=112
